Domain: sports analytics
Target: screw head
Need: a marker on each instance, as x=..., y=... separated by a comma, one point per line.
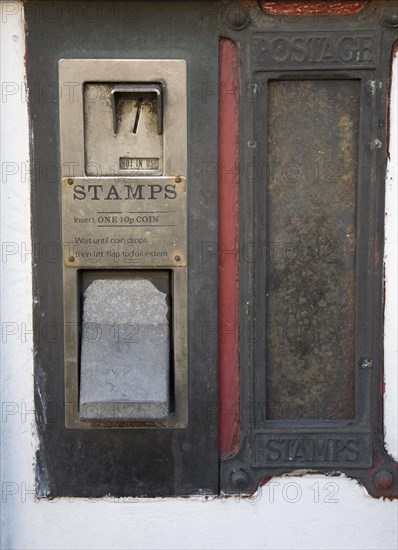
x=239, y=478
x=178, y=179
x=238, y=16
x=384, y=479
x=70, y=181
x=71, y=259
x=177, y=258
x=391, y=20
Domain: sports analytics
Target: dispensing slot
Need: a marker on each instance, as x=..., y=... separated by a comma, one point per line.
x=125, y=347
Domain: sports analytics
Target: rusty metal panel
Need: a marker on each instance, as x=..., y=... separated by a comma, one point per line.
x=311, y=227
x=310, y=286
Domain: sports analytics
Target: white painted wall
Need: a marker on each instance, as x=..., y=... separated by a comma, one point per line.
x=391, y=276
x=308, y=513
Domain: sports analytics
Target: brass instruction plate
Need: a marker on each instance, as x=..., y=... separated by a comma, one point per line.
x=124, y=222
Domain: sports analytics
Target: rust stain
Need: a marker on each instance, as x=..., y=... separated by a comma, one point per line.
x=311, y=283
x=295, y=7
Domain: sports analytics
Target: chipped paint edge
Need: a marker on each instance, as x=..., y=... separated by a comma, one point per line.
x=391, y=274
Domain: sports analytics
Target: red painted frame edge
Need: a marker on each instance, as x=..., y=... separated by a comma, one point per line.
x=228, y=248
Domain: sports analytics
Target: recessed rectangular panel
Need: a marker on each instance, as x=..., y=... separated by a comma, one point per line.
x=125, y=348
x=311, y=227
x=126, y=117
x=123, y=130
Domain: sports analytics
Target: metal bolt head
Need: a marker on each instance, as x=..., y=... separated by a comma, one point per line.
x=239, y=478
x=238, y=16
x=70, y=181
x=384, y=479
x=71, y=259
x=391, y=20
x=178, y=179
x=177, y=258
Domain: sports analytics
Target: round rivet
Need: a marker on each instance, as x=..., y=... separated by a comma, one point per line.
x=384, y=479
x=177, y=258
x=239, y=478
x=71, y=258
x=70, y=181
x=391, y=20
x=238, y=17
x=178, y=179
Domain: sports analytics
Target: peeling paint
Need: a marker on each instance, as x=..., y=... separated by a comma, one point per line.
x=294, y=7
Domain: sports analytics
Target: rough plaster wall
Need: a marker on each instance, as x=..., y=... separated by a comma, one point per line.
x=309, y=513
x=391, y=276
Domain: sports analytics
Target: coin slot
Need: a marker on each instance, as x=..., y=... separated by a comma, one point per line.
x=123, y=129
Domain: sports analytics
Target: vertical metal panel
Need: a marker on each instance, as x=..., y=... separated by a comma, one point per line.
x=124, y=462
x=311, y=398
x=312, y=153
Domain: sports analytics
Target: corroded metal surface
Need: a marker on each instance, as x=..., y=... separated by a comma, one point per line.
x=311, y=302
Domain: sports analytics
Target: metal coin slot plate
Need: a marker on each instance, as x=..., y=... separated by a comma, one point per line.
x=144, y=100
x=123, y=127
x=124, y=201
